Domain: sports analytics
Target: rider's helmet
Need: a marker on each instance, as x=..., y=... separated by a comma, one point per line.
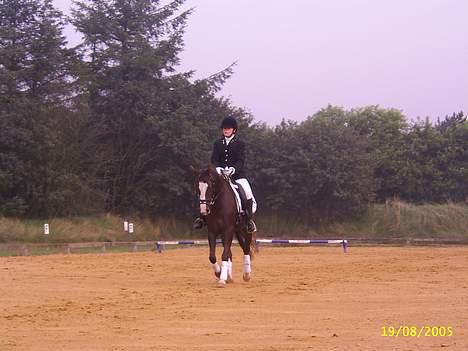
x=229, y=122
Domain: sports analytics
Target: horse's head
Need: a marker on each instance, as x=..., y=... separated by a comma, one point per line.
x=206, y=182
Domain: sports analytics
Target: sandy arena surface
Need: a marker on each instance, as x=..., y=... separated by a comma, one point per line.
x=315, y=298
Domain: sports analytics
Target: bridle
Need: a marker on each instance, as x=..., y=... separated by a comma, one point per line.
x=205, y=202
x=214, y=196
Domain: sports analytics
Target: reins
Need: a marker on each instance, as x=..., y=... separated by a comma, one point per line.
x=215, y=195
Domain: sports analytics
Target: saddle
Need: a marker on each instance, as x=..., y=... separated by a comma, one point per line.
x=242, y=206
x=240, y=196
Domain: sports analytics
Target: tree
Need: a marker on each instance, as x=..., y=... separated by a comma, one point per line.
x=150, y=121
x=423, y=174
x=319, y=169
x=339, y=182
x=454, y=129
x=33, y=87
x=385, y=130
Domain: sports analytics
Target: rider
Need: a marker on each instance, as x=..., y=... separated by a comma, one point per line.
x=228, y=156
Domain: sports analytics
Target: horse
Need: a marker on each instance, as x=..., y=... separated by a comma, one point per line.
x=217, y=203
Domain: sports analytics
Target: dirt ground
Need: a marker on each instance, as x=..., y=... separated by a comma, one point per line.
x=314, y=298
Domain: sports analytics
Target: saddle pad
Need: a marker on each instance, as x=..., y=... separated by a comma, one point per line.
x=235, y=188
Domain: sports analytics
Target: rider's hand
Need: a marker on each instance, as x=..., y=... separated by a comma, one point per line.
x=219, y=170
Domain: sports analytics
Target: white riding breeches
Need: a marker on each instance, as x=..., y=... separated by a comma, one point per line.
x=248, y=192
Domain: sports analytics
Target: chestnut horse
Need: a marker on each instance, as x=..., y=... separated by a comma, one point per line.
x=218, y=204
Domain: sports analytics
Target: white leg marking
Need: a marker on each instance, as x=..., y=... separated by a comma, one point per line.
x=224, y=270
x=247, y=266
x=216, y=267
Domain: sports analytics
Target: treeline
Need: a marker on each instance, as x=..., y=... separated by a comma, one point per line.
x=336, y=162
x=111, y=126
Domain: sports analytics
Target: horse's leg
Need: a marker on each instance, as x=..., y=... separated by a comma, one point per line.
x=245, y=240
x=247, y=268
x=240, y=237
x=227, y=254
x=214, y=264
x=229, y=278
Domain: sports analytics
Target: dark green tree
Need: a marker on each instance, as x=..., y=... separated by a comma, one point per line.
x=422, y=175
x=263, y=151
x=454, y=156
x=338, y=177
x=385, y=130
x=33, y=90
x=319, y=169
x=150, y=122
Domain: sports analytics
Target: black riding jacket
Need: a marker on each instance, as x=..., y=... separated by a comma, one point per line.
x=231, y=155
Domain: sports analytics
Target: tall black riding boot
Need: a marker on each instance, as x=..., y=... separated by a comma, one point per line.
x=251, y=226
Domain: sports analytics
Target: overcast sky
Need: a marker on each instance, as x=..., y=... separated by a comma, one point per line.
x=294, y=57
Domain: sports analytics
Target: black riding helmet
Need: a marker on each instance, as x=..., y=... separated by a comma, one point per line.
x=229, y=122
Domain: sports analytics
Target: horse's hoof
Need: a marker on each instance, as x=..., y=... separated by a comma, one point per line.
x=246, y=277
x=221, y=283
x=230, y=280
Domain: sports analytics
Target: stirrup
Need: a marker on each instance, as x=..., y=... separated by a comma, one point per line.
x=198, y=224
x=251, y=226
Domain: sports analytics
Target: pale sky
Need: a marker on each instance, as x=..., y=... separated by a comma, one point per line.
x=298, y=56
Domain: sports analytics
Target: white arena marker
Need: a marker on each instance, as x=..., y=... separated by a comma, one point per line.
x=46, y=229
x=125, y=226
x=130, y=228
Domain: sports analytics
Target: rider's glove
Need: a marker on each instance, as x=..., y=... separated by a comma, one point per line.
x=230, y=170
x=220, y=170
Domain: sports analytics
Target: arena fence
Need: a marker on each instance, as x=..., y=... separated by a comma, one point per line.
x=344, y=243
x=30, y=249
x=34, y=249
